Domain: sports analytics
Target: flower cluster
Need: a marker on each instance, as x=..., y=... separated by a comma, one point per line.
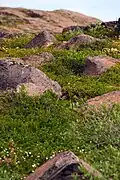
x=114, y=52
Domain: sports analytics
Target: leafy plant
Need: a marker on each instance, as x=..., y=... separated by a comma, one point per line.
x=101, y=32
x=34, y=129
x=42, y=126
x=17, y=42
x=68, y=35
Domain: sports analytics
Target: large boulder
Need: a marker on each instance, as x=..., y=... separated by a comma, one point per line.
x=62, y=167
x=97, y=65
x=109, y=24
x=106, y=100
x=78, y=41
x=14, y=75
x=45, y=38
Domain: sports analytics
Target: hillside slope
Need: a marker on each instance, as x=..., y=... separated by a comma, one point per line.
x=58, y=92
x=20, y=19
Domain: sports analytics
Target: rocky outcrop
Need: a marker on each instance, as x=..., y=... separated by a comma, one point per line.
x=62, y=167
x=13, y=76
x=105, y=100
x=31, y=13
x=26, y=20
x=109, y=24
x=78, y=41
x=97, y=65
x=45, y=38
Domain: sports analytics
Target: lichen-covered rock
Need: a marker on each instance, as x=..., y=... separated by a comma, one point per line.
x=13, y=76
x=78, y=41
x=99, y=64
x=62, y=167
x=45, y=38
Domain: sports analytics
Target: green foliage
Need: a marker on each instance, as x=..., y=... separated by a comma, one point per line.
x=101, y=32
x=99, y=45
x=18, y=52
x=68, y=35
x=98, y=32
x=70, y=60
x=33, y=129
x=14, y=47
x=114, y=52
x=38, y=127
x=67, y=70
x=17, y=42
x=112, y=76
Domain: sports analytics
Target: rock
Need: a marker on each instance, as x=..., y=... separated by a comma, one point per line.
x=62, y=167
x=45, y=38
x=93, y=25
x=78, y=41
x=37, y=60
x=106, y=99
x=38, y=20
x=78, y=28
x=117, y=29
x=14, y=75
x=99, y=64
x=31, y=13
x=109, y=24
x=72, y=28
x=2, y=34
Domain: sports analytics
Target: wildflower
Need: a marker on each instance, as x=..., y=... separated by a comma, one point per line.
x=34, y=165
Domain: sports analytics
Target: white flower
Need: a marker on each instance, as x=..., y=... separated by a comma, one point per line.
x=34, y=165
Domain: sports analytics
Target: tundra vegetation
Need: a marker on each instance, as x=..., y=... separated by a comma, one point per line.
x=33, y=129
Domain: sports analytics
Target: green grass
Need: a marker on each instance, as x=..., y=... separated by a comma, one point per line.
x=67, y=70
x=35, y=128
x=97, y=32
x=17, y=41
x=67, y=36
x=39, y=127
x=18, y=52
x=101, y=32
